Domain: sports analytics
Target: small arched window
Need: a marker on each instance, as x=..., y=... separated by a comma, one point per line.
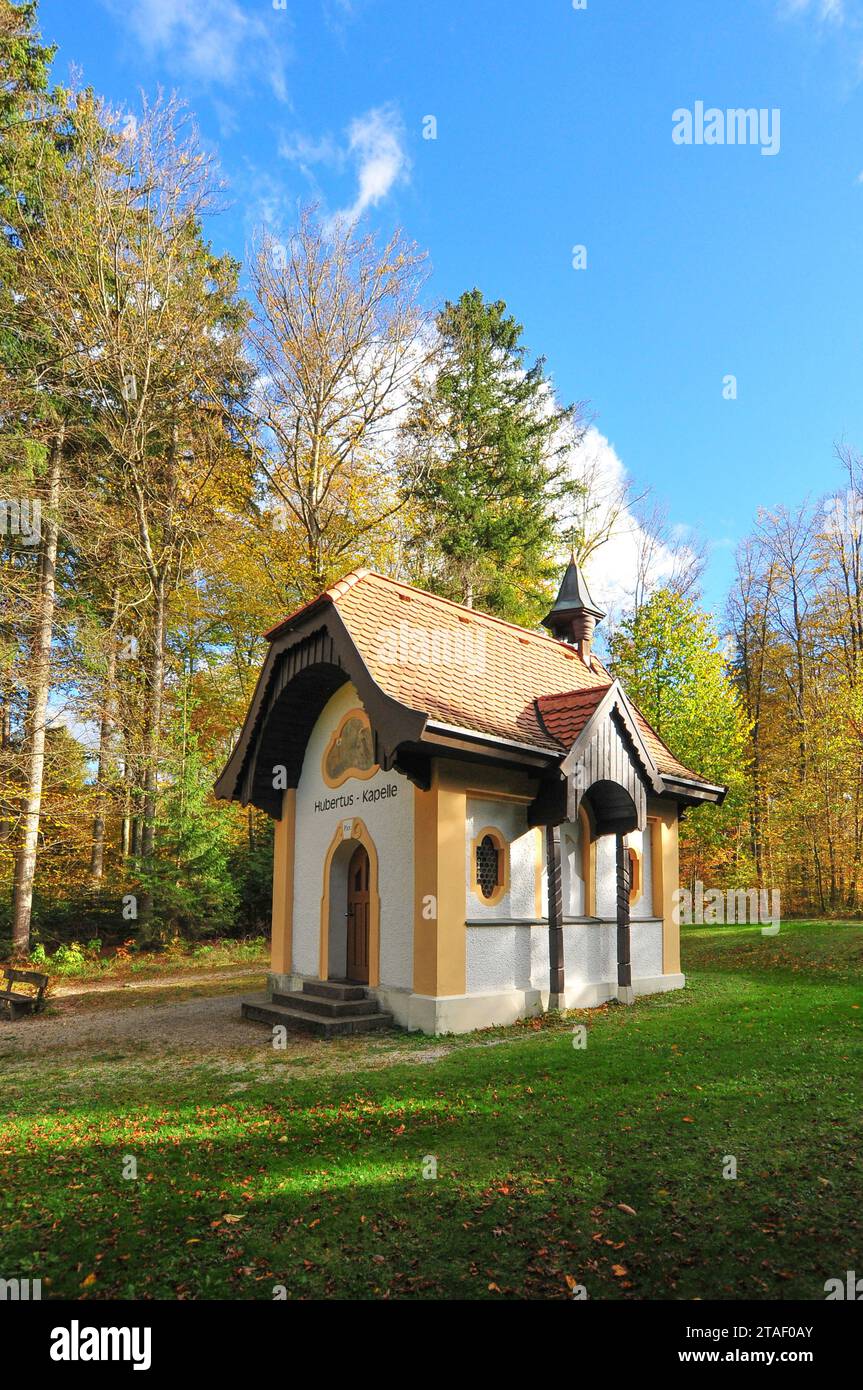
x=489, y=867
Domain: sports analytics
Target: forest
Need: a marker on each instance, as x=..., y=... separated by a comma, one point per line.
x=191, y=447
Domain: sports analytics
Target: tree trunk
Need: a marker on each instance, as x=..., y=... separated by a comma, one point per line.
x=152, y=735
x=40, y=682
x=6, y=691
x=97, y=853
x=5, y=742
x=155, y=676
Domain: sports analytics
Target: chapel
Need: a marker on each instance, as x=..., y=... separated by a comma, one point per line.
x=473, y=821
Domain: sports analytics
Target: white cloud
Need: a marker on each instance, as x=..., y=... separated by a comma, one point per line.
x=307, y=151
x=267, y=202
x=825, y=11
x=838, y=23
x=213, y=41
x=376, y=140
x=374, y=143
x=612, y=569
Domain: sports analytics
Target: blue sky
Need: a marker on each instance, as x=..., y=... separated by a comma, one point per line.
x=554, y=130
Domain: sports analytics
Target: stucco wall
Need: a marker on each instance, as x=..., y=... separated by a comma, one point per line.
x=390, y=823
x=642, y=841
x=571, y=863
x=516, y=956
x=606, y=875
x=510, y=819
x=510, y=952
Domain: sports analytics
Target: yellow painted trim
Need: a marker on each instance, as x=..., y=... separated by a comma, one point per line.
x=452, y=931
x=588, y=862
x=502, y=866
x=357, y=832
x=361, y=774
x=485, y=782
x=440, y=933
x=666, y=877
x=425, y=889
x=495, y=795
x=283, y=886
x=636, y=874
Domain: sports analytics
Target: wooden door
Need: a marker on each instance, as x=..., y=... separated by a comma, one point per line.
x=358, y=916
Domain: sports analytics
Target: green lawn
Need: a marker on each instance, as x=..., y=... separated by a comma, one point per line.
x=308, y=1172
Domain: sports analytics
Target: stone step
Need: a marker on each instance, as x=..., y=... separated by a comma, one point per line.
x=329, y=1008
x=314, y=1023
x=334, y=989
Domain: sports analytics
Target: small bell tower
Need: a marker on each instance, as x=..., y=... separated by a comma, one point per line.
x=574, y=615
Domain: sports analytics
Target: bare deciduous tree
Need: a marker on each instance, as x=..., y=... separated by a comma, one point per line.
x=337, y=336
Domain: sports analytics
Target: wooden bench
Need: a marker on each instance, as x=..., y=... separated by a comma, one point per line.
x=16, y=1000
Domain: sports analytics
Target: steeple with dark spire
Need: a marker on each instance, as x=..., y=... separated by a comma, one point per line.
x=574, y=615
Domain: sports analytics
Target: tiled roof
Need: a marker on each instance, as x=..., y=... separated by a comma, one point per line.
x=566, y=715
x=470, y=670
x=662, y=754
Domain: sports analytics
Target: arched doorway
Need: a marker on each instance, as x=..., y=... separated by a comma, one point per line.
x=351, y=908
x=357, y=965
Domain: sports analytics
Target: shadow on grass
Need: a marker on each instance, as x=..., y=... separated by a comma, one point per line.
x=319, y=1186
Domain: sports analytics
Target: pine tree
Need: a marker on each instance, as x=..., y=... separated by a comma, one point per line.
x=486, y=436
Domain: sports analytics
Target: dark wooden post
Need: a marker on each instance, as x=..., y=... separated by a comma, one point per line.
x=624, y=964
x=556, y=973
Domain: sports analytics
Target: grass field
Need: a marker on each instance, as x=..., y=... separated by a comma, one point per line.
x=556, y=1165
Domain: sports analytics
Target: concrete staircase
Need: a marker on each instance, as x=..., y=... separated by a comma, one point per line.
x=327, y=1008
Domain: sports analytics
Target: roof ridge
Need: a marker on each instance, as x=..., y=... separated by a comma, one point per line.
x=474, y=612
x=347, y=582
x=336, y=590
x=579, y=692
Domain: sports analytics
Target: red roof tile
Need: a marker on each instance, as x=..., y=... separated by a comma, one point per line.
x=471, y=670
x=566, y=715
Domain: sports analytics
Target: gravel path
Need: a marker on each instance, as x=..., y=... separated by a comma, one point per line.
x=211, y=1023
x=207, y=1027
